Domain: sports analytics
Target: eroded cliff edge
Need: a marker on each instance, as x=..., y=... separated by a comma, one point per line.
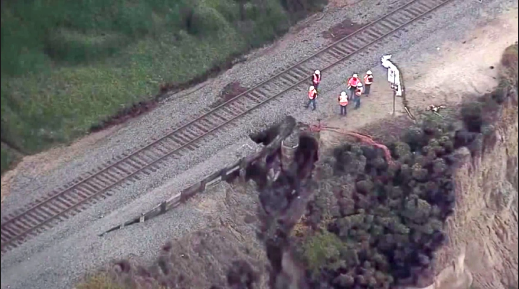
x=483, y=236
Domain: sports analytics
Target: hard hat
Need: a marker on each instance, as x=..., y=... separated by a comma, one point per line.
x=317, y=72
x=343, y=93
x=311, y=88
x=359, y=84
x=369, y=72
x=355, y=75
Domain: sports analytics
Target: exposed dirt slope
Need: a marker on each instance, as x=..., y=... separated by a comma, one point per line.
x=202, y=258
x=483, y=231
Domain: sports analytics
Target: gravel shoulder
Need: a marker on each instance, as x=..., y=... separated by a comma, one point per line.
x=49, y=260
x=42, y=176
x=57, y=258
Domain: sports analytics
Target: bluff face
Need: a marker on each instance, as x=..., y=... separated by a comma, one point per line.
x=483, y=237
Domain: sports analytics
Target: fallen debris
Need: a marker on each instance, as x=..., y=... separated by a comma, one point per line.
x=436, y=109
x=229, y=92
x=341, y=30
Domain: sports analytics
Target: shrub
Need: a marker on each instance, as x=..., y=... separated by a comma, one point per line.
x=76, y=47
x=401, y=150
x=203, y=20
x=262, y=22
x=9, y=156
x=472, y=115
x=365, y=186
x=321, y=249
x=415, y=138
x=391, y=223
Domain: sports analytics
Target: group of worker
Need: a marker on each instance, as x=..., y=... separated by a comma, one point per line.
x=355, y=87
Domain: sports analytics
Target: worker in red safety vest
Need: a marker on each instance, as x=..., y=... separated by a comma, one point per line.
x=358, y=94
x=312, y=94
x=343, y=102
x=368, y=80
x=352, y=84
x=316, y=79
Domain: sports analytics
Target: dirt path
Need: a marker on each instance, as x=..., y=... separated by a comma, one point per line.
x=461, y=69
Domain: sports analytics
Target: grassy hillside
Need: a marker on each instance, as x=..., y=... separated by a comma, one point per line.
x=67, y=65
x=9, y=157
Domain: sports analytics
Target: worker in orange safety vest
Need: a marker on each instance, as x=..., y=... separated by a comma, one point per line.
x=368, y=80
x=358, y=94
x=316, y=79
x=343, y=102
x=352, y=84
x=312, y=94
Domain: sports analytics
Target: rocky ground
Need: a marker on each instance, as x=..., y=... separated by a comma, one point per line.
x=430, y=56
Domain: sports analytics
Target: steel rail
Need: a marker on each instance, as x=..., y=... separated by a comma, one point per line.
x=66, y=202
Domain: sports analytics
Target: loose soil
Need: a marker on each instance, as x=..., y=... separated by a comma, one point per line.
x=125, y=114
x=201, y=258
x=341, y=30
x=229, y=92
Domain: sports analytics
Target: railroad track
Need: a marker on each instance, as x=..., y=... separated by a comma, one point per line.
x=96, y=185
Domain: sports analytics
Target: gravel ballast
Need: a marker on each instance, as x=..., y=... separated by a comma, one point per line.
x=57, y=258
x=182, y=107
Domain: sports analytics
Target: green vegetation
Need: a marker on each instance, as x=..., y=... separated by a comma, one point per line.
x=68, y=65
x=9, y=156
x=390, y=219
x=321, y=249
